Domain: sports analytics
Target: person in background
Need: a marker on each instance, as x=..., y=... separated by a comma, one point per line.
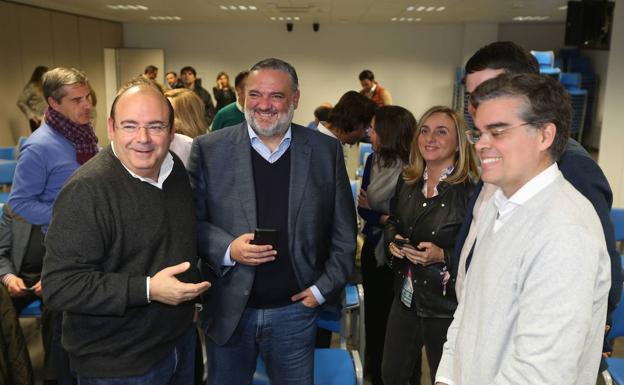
x=321, y=114
x=372, y=90
x=31, y=100
x=63, y=142
x=233, y=113
x=172, y=81
x=190, y=81
x=223, y=92
x=391, y=132
x=188, y=122
x=425, y=215
x=350, y=118
x=151, y=73
x=122, y=252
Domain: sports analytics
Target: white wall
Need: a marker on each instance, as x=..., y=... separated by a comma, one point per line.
x=612, y=139
x=416, y=63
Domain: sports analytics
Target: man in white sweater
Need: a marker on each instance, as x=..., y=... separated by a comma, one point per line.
x=534, y=302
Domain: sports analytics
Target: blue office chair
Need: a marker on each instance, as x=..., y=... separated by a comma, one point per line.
x=7, y=171
x=7, y=153
x=546, y=60
x=32, y=310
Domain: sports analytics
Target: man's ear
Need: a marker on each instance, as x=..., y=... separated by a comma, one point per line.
x=547, y=136
x=53, y=103
x=110, y=125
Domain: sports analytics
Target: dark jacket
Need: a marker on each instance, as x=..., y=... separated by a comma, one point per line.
x=435, y=220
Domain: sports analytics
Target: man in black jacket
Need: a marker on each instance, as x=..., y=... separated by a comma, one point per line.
x=190, y=81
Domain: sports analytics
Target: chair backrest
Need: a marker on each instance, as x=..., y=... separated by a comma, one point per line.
x=7, y=171
x=570, y=80
x=617, y=217
x=544, y=58
x=7, y=153
x=365, y=150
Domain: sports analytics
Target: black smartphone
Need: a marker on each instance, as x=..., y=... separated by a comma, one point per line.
x=401, y=242
x=265, y=237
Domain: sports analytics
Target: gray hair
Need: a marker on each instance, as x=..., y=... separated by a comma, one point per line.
x=54, y=80
x=279, y=65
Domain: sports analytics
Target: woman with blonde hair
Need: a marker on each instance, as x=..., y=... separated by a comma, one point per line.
x=189, y=120
x=426, y=213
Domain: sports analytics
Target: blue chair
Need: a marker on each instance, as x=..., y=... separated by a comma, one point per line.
x=7, y=171
x=365, y=150
x=617, y=217
x=331, y=367
x=546, y=60
x=32, y=310
x=7, y=153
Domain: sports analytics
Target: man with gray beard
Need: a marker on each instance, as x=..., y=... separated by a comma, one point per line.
x=268, y=173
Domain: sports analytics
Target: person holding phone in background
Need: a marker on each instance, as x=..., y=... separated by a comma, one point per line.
x=425, y=214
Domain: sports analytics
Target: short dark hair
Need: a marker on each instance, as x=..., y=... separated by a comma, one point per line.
x=142, y=82
x=353, y=111
x=171, y=72
x=279, y=65
x=367, y=75
x=505, y=55
x=37, y=74
x=150, y=68
x=240, y=78
x=188, y=68
x=395, y=127
x=545, y=100
x=322, y=113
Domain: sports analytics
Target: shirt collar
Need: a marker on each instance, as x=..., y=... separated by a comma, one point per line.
x=526, y=192
x=264, y=151
x=165, y=170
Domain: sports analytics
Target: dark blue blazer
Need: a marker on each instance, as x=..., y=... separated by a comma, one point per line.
x=585, y=175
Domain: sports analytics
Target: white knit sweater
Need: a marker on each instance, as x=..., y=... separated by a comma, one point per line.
x=535, y=298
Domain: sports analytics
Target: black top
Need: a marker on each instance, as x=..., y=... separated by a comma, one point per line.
x=109, y=232
x=275, y=281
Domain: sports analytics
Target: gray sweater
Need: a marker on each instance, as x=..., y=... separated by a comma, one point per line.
x=110, y=231
x=535, y=298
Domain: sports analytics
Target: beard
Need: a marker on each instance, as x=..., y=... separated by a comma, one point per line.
x=278, y=128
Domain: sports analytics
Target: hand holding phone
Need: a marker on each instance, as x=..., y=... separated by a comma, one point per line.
x=400, y=242
x=265, y=237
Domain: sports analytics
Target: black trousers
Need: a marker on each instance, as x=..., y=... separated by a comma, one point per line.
x=406, y=335
x=378, y=295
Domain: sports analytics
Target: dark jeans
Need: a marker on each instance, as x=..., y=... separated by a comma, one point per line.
x=405, y=337
x=284, y=337
x=176, y=368
x=378, y=295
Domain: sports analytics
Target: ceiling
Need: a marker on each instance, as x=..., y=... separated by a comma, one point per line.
x=310, y=11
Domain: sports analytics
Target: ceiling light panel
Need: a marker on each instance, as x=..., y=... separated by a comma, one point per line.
x=243, y=7
x=127, y=7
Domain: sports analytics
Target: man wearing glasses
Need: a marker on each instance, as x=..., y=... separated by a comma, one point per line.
x=533, y=307
x=121, y=252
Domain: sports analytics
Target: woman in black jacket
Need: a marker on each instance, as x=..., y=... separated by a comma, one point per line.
x=426, y=212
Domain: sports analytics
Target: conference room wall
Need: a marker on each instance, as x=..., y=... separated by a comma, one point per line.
x=416, y=63
x=31, y=36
